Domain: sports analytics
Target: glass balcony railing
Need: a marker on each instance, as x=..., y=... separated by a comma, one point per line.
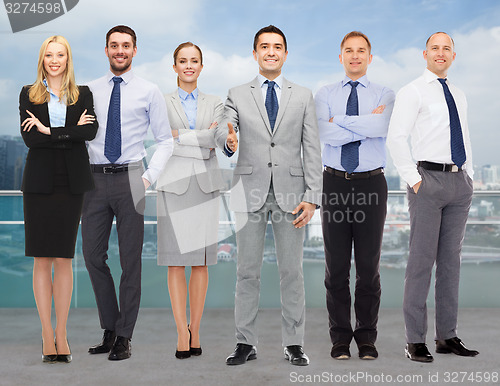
x=478, y=284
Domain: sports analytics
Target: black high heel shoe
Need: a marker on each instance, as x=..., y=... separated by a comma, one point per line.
x=65, y=358
x=48, y=358
x=195, y=351
x=184, y=354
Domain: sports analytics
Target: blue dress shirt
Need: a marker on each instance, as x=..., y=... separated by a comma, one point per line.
x=189, y=103
x=142, y=106
x=370, y=129
x=57, y=109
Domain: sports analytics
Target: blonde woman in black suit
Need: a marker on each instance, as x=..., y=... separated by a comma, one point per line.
x=188, y=197
x=57, y=117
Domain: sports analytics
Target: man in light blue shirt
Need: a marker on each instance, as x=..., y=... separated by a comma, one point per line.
x=126, y=105
x=353, y=117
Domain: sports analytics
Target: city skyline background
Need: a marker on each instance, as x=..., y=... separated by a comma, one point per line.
x=225, y=29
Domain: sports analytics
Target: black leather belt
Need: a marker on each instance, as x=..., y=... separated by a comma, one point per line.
x=439, y=167
x=112, y=169
x=354, y=176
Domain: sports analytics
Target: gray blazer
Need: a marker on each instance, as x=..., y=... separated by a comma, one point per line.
x=290, y=154
x=194, y=152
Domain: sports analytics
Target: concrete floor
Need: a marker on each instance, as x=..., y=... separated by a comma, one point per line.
x=153, y=347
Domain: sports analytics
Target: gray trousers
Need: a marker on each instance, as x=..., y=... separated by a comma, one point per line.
x=289, y=249
x=115, y=195
x=438, y=215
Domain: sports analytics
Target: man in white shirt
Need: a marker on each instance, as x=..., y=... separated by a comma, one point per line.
x=126, y=106
x=434, y=113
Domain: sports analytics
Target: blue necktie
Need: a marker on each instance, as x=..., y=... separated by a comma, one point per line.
x=271, y=103
x=113, y=141
x=349, y=156
x=456, y=138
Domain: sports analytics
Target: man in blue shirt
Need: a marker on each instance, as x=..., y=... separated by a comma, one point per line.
x=126, y=106
x=353, y=117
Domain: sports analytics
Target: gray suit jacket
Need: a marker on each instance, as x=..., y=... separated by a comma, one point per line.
x=289, y=155
x=194, y=152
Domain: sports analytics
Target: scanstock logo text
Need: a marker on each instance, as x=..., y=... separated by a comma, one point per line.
x=28, y=14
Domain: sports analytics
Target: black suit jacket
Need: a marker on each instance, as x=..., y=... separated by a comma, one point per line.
x=39, y=171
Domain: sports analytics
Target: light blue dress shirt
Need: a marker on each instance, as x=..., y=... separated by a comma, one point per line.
x=142, y=106
x=190, y=105
x=57, y=109
x=370, y=129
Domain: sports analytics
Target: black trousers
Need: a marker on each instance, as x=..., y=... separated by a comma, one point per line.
x=118, y=195
x=353, y=211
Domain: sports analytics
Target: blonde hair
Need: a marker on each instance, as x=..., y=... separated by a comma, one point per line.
x=69, y=90
x=184, y=45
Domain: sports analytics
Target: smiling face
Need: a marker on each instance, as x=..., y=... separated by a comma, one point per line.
x=188, y=66
x=355, y=56
x=439, y=54
x=120, y=51
x=270, y=54
x=55, y=60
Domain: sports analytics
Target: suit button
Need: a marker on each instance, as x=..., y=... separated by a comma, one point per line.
x=272, y=144
x=269, y=164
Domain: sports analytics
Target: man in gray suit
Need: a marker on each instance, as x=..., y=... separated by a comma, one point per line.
x=277, y=176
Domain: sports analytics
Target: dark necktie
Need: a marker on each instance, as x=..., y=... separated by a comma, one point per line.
x=271, y=103
x=349, y=156
x=456, y=138
x=113, y=141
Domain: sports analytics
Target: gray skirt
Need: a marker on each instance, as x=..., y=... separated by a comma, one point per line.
x=188, y=227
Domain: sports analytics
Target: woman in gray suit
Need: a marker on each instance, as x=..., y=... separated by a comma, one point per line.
x=188, y=197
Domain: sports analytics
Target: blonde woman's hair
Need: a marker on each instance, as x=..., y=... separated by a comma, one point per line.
x=69, y=91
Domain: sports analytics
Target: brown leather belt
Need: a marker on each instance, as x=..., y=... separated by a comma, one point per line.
x=354, y=176
x=439, y=167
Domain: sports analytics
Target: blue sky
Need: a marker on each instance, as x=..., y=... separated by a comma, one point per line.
x=224, y=29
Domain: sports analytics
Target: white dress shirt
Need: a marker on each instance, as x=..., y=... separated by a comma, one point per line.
x=277, y=87
x=421, y=111
x=142, y=106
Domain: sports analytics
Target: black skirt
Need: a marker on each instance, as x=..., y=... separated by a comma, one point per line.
x=51, y=221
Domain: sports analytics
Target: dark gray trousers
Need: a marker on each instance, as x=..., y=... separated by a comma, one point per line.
x=115, y=195
x=438, y=215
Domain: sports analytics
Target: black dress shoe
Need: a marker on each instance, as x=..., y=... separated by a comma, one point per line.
x=455, y=346
x=52, y=358
x=65, y=358
x=367, y=351
x=296, y=356
x=242, y=353
x=195, y=351
x=121, y=349
x=108, y=340
x=418, y=352
x=340, y=351
x=182, y=354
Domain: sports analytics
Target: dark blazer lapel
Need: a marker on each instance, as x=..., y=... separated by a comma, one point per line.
x=178, y=108
x=257, y=96
x=286, y=93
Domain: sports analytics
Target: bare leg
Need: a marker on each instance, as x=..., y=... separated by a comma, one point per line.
x=198, y=285
x=177, y=288
x=42, y=290
x=63, y=289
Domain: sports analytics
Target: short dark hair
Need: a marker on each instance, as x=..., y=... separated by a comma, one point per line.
x=269, y=29
x=439, y=32
x=355, y=34
x=124, y=30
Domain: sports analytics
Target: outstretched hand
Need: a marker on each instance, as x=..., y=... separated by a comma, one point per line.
x=232, y=139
